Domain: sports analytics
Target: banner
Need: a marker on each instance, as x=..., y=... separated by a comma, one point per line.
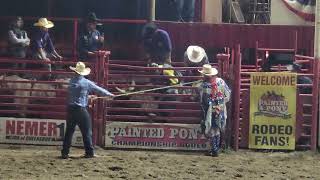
x=155, y=136
x=272, y=111
x=303, y=8
x=35, y=131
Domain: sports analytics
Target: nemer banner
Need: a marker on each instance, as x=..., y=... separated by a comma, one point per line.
x=35, y=131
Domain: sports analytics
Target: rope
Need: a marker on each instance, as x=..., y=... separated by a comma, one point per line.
x=147, y=90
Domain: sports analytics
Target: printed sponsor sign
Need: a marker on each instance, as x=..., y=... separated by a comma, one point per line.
x=35, y=131
x=272, y=111
x=155, y=136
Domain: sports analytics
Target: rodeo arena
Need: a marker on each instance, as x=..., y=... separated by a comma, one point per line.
x=159, y=89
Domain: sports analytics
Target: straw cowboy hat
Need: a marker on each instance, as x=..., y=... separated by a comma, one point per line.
x=195, y=54
x=43, y=22
x=81, y=69
x=208, y=70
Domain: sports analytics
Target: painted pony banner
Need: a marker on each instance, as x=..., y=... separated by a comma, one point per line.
x=136, y=135
x=303, y=8
x=272, y=111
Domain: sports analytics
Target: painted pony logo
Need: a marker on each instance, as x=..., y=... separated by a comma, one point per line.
x=273, y=105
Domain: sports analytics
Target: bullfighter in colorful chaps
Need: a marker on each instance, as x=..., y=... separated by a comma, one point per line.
x=214, y=94
x=77, y=114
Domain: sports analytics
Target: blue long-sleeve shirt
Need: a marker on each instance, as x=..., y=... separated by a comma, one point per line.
x=79, y=89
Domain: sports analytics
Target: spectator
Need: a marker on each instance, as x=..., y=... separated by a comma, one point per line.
x=90, y=39
x=185, y=10
x=157, y=44
x=18, y=41
x=41, y=44
x=195, y=56
x=175, y=10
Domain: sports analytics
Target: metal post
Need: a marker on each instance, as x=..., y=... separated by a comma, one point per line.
x=75, y=38
x=203, y=11
x=152, y=10
x=50, y=7
x=236, y=88
x=316, y=77
x=95, y=118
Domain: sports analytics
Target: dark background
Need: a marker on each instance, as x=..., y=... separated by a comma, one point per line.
x=122, y=39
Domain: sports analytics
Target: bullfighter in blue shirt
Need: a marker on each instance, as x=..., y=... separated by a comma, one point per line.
x=79, y=88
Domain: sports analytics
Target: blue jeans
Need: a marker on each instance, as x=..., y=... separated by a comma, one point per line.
x=185, y=10
x=78, y=116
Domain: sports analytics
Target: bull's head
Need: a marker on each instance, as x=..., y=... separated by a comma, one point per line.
x=131, y=88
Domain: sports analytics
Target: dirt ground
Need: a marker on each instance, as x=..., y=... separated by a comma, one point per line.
x=31, y=162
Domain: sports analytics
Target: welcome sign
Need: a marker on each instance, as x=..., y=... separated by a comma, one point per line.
x=272, y=111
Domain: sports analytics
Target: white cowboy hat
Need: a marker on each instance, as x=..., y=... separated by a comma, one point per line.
x=43, y=22
x=81, y=69
x=208, y=70
x=195, y=54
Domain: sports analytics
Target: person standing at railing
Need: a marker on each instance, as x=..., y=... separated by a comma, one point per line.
x=172, y=79
x=90, y=40
x=157, y=44
x=195, y=56
x=77, y=114
x=18, y=41
x=176, y=10
x=214, y=94
x=41, y=43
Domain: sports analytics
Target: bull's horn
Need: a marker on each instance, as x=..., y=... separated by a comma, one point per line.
x=121, y=90
x=133, y=84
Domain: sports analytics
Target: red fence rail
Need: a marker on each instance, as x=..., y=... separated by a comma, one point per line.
x=43, y=99
x=180, y=108
x=220, y=35
x=307, y=104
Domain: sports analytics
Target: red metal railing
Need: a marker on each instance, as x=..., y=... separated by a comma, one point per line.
x=261, y=53
x=236, y=97
x=17, y=104
x=182, y=109
x=221, y=35
x=185, y=109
